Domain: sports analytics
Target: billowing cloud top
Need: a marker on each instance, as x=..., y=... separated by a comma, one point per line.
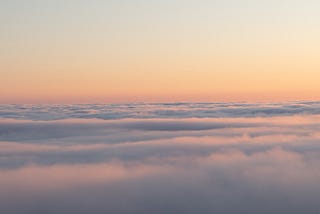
x=160, y=158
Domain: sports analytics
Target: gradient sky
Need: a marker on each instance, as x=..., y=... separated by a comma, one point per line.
x=152, y=50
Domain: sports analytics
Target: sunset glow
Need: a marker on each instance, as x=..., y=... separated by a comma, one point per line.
x=159, y=106
x=118, y=51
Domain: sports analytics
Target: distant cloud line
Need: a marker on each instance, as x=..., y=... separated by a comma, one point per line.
x=158, y=110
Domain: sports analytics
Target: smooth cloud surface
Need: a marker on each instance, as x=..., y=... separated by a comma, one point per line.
x=160, y=158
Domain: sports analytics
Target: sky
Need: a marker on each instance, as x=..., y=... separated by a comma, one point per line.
x=81, y=51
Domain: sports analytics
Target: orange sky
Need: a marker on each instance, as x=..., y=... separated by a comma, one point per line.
x=170, y=51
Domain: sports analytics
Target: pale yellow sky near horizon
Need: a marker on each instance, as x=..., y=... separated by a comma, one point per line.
x=123, y=51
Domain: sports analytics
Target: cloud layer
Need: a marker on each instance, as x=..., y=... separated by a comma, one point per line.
x=158, y=110
x=233, y=164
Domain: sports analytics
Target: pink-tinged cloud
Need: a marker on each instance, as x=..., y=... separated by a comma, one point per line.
x=231, y=164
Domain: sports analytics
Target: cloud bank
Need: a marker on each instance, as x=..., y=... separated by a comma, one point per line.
x=172, y=164
x=158, y=110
